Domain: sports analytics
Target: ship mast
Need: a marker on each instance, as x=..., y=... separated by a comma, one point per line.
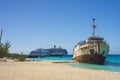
x=1, y=36
x=93, y=26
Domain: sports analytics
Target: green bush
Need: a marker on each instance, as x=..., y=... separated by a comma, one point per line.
x=4, y=49
x=21, y=57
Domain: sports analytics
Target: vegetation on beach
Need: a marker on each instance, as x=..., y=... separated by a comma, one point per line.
x=4, y=49
x=4, y=52
x=19, y=57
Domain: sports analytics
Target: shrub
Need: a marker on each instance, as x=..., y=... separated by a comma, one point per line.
x=21, y=57
x=4, y=49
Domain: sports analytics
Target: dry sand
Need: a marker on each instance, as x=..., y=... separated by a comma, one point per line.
x=47, y=70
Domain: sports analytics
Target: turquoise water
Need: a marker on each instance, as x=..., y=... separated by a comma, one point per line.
x=112, y=62
x=53, y=58
x=97, y=67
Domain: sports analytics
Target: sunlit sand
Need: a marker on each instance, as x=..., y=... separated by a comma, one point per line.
x=50, y=70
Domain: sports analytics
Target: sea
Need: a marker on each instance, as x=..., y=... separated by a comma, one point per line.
x=112, y=62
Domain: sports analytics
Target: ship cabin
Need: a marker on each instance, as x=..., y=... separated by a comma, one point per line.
x=94, y=39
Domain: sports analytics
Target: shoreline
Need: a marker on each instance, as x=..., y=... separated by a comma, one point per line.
x=50, y=70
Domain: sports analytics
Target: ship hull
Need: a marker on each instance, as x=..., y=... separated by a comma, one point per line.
x=91, y=59
x=93, y=53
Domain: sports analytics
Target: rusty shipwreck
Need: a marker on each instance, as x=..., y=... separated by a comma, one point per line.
x=93, y=50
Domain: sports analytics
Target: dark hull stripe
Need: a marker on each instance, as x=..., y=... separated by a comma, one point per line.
x=92, y=59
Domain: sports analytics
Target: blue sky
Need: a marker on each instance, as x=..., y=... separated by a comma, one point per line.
x=32, y=24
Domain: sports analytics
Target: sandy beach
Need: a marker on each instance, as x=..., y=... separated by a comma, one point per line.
x=50, y=70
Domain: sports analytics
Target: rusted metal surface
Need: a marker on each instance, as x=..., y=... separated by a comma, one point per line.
x=94, y=53
x=91, y=58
